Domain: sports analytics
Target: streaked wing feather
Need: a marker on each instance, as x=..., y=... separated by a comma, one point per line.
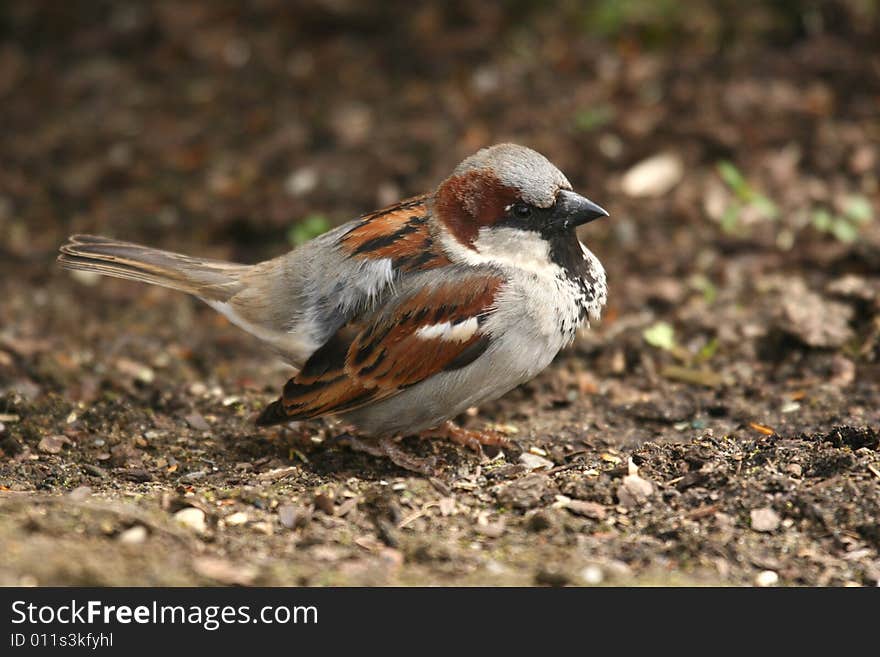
x=434, y=329
x=401, y=233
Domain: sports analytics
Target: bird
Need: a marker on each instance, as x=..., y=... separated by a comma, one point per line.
x=400, y=320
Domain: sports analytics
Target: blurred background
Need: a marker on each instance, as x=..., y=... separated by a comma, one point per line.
x=735, y=144
x=242, y=126
x=731, y=141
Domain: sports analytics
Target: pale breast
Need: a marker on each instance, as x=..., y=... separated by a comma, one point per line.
x=535, y=317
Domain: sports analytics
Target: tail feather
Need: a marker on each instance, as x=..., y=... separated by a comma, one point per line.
x=209, y=279
x=242, y=293
x=274, y=413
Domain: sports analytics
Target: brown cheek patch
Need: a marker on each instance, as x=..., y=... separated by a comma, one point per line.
x=400, y=233
x=472, y=200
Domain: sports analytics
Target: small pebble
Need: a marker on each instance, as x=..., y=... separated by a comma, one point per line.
x=766, y=578
x=592, y=510
x=138, y=475
x=53, y=444
x=634, y=491
x=655, y=176
x=235, y=519
x=592, y=575
x=293, y=516
x=193, y=518
x=491, y=530
x=197, y=422
x=301, y=182
x=137, y=371
x=263, y=528
x=765, y=519
x=191, y=477
x=446, y=506
x=325, y=503
x=224, y=571
x=534, y=462
x=496, y=567
x=80, y=493
x=133, y=535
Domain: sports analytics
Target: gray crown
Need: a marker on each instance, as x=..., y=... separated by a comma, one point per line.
x=521, y=168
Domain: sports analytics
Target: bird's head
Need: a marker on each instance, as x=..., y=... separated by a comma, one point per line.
x=508, y=203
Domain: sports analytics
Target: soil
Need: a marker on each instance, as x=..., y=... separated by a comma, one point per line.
x=719, y=426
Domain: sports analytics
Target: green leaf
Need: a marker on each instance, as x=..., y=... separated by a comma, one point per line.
x=730, y=219
x=765, y=206
x=859, y=210
x=307, y=229
x=703, y=285
x=733, y=178
x=708, y=350
x=593, y=118
x=844, y=230
x=660, y=335
x=822, y=220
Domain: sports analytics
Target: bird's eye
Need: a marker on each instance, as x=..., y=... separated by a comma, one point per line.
x=522, y=211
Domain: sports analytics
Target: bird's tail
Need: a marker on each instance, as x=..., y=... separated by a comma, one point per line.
x=274, y=413
x=209, y=279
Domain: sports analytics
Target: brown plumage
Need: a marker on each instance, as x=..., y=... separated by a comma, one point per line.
x=473, y=200
x=401, y=232
x=362, y=362
x=402, y=319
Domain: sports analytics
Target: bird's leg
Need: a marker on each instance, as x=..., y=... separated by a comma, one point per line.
x=388, y=448
x=472, y=439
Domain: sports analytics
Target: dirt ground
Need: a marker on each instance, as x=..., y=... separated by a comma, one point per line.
x=720, y=425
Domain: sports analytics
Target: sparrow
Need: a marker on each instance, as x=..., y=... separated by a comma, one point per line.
x=404, y=318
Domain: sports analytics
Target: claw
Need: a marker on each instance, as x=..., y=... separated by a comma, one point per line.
x=388, y=448
x=474, y=440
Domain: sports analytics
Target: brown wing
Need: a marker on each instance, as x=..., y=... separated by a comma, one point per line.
x=434, y=329
x=401, y=233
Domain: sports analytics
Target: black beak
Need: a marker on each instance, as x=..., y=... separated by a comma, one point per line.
x=572, y=210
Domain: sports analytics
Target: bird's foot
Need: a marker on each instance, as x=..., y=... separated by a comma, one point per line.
x=388, y=448
x=475, y=440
